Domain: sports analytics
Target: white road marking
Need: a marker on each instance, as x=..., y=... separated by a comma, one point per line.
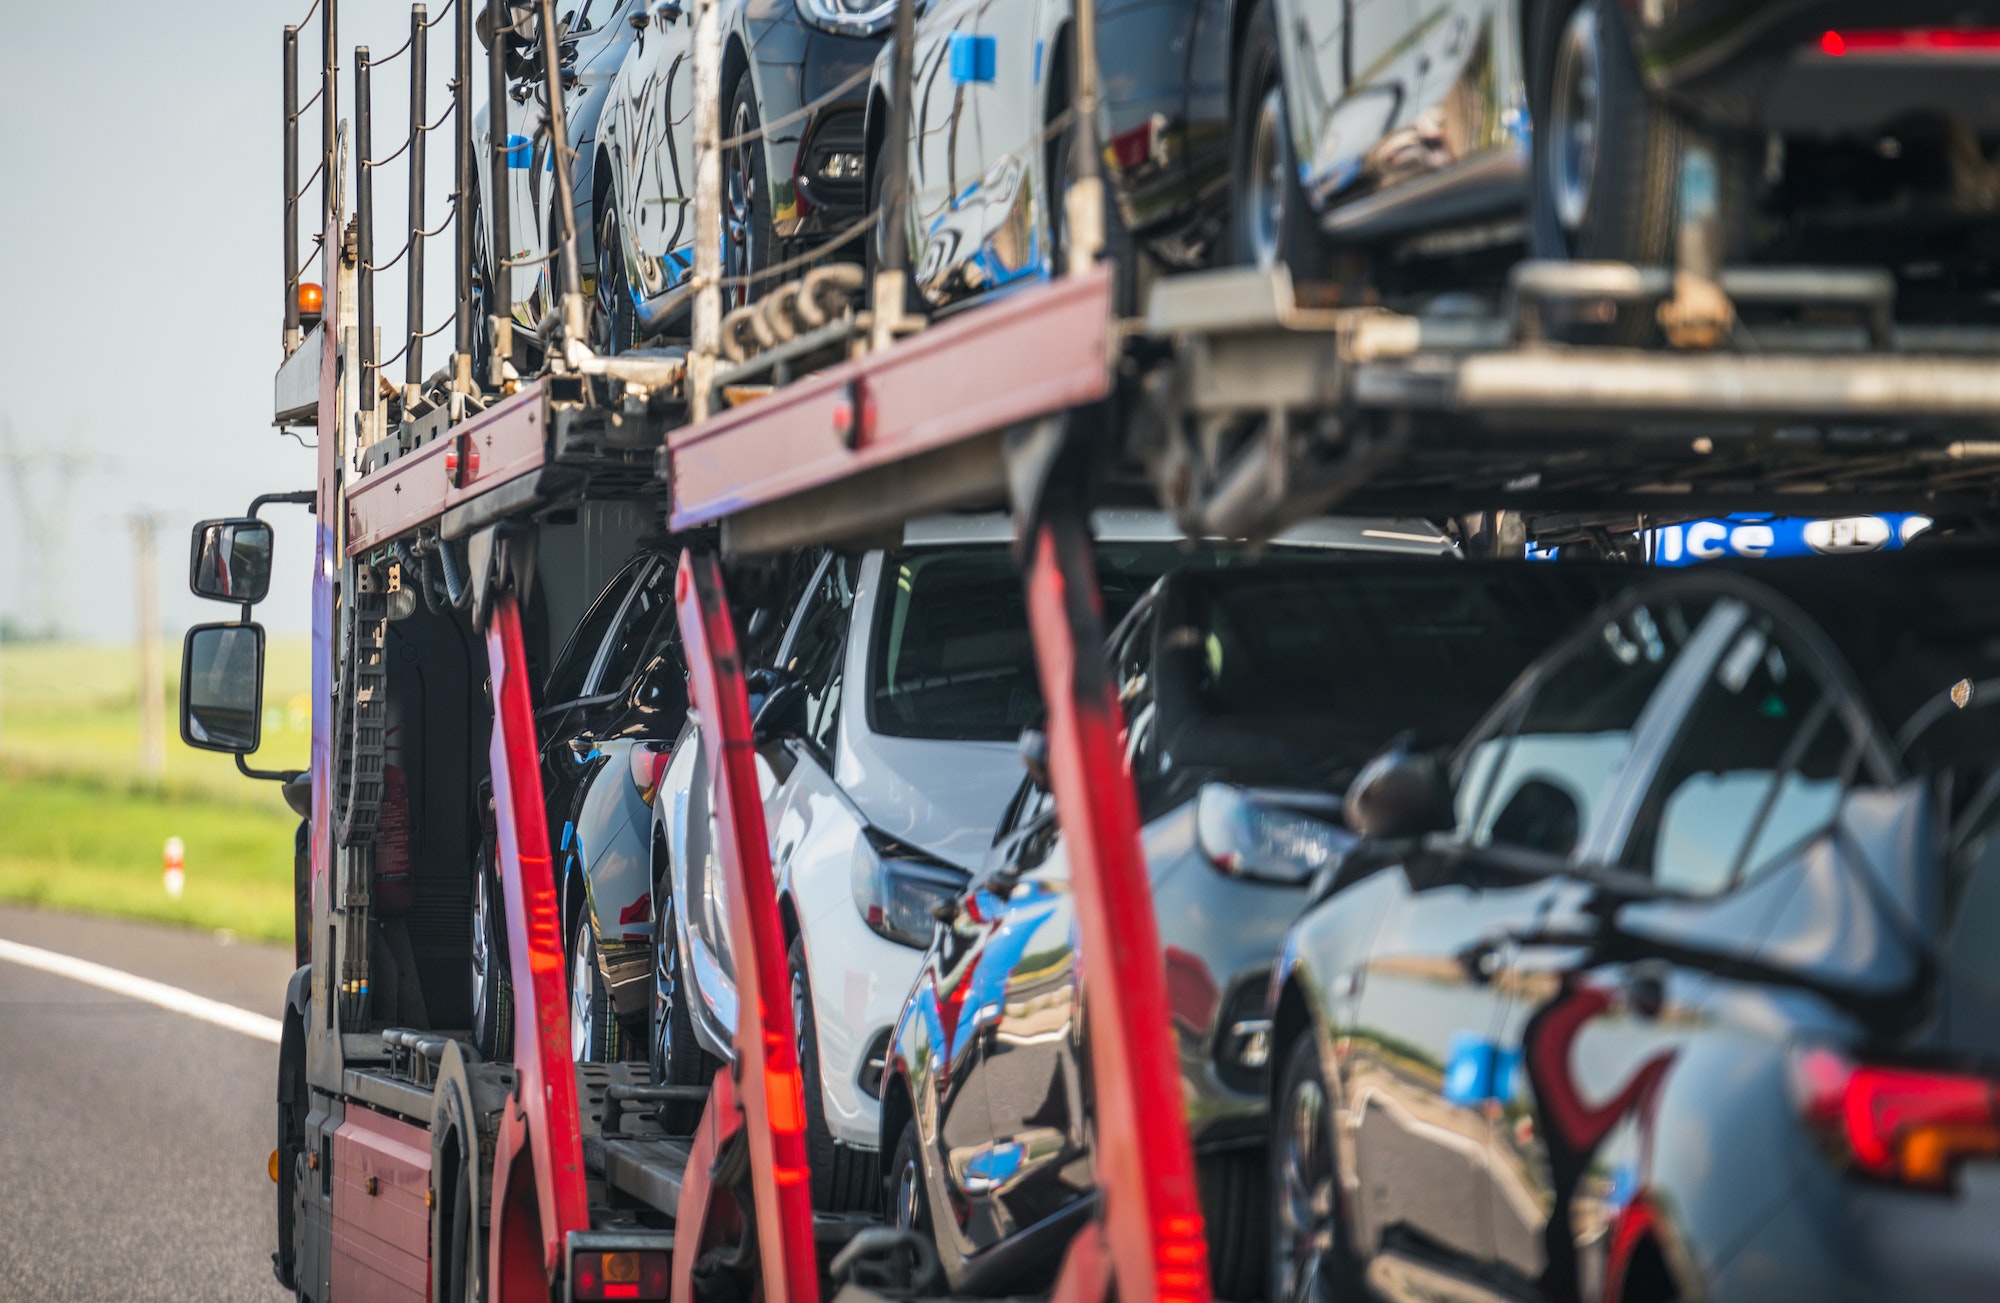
x=141, y=988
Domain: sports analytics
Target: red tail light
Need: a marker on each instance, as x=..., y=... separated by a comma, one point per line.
x=1912, y=40
x=1899, y=1124
x=649, y=765
x=637, y=1275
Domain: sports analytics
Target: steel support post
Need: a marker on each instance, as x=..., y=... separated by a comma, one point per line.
x=768, y=1086
x=364, y=232
x=500, y=290
x=413, y=355
x=706, y=334
x=573, y=326
x=1151, y=1226
x=465, y=233
x=329, y=125
x=1084, y=202
x=291, y=243
x=538, y=1179
x=887, y=295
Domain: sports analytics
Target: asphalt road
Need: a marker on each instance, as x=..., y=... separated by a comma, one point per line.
x=134, y=1140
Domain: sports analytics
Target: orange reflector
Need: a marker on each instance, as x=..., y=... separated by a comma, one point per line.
x=312, y=300
x=274, y=1165
x=782, y=1099
x=631, y=1274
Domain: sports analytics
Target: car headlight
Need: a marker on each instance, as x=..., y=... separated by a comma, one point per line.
x=849, y=17
x=1248, y=835
x=896, y=887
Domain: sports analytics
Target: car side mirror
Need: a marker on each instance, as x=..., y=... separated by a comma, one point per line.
x=1034, y=748
x=668, y=12
x=782, y=713
x=230, y=560
x=1400, y=794
x=222, y=687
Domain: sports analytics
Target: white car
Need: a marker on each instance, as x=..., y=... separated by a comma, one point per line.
x=887, y=728
x=598, y=35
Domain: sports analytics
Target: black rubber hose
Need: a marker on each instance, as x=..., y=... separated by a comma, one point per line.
x=420, y=574
x=455, y=585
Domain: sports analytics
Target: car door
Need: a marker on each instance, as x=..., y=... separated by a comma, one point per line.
x=1537, y=787
x=1351, y=79
x=654, y=136
x=1751, y=776
x=945, y=149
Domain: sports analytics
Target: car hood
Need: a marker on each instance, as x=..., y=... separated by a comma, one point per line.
x=942, y=797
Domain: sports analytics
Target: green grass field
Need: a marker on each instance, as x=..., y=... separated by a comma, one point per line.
x=82, y=827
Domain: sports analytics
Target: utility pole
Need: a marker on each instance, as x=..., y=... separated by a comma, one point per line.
x=42, y=515
x=152, y=666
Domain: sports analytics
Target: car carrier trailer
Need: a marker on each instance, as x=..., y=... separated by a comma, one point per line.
x=408, y=1166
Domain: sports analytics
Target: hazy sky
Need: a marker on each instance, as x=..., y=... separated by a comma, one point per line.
x=140, y=221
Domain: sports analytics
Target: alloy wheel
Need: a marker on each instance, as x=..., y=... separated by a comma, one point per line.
x=1305, y=1198
x=482, y=948
x=1264, y=196
x=582, y=996
x=739, y=209
x=1575, y=118
x=909, y=1189
x=663, y=989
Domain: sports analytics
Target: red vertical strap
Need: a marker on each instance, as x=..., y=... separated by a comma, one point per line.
x=542, y=1115
x=767, y=1067
x=1145, y=1164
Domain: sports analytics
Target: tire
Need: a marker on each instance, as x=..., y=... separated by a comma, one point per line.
x=492, y=982
x=749, y=239
x=1311, y=1261
x=906, y=1204
x=843, y=1177
x=1270, y=220
x=1058, y=155
x=593, y=1023
x=1237, y=1214
x=1607, y=152
x=612, y=317
x=875, y=243
x=482, y=340
x=676, y=1056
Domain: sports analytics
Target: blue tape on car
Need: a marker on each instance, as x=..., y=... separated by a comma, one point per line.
x=972, y=58
x=520, y=152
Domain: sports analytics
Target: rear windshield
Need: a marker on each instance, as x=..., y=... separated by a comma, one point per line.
x=952, y=656
x=1319, y=667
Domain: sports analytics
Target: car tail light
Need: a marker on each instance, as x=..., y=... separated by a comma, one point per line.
x=1906, y=1125
x=1911, y=40
x=637, y=1275
x=649, y=765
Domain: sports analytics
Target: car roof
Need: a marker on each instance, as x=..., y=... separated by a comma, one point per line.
x=1348, y=533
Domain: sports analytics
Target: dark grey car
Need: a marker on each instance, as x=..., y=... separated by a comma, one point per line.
x=1250, y=695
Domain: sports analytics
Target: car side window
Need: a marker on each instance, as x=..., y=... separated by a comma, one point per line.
x=1544, y=777
x=571, y=675
x=819, y=652
x=652, y=602
x=1757, y=771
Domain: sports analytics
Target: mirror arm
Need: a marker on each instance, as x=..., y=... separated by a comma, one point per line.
x=273, y=775
x=301, y=498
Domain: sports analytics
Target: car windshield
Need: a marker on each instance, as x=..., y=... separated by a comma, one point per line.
x=1295, y=672
x=952, y=657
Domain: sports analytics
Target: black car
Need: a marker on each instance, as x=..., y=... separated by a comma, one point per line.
x=611, y=704
x=1251, y=695
x=1679, y=980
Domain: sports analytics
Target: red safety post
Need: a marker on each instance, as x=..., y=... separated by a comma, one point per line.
x=1152, y=1244
x=767, y=1086
x=538, y=1180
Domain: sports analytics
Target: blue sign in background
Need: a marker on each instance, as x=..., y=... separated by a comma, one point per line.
x=1753, y=535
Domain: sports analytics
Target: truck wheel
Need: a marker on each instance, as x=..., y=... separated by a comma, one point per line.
x=677, y=1057
x=492, y=982
x=1310, y=1257
x=1607, y=151
x=843, y=1179
x=1270, y=220
x=593, y=1023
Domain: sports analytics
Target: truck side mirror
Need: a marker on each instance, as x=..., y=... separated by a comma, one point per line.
x=222, y=687
x=230, y=560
